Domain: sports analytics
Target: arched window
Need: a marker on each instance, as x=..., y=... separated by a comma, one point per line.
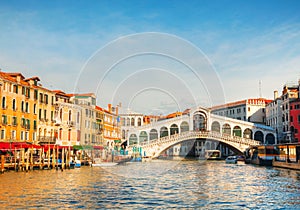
x=143, y=136
x=247, y=133
x=139, y=122
x=184, y=126
x=237, y=131
x=153, y=134
x=174, y=129
x=226, y=129
x=259, y=136
x=215, y=126
x=163, y=132
x=199, y=121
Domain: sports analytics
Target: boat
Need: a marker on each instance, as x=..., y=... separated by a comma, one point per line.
x=212, y=154
x=77, y=164
x=288, y=156
x=262, y=155
x=231, y=159
x=104, y=164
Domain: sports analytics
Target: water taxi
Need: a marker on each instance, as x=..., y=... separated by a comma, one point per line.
x=262, y=155
x=212, y=154
x=231, y=159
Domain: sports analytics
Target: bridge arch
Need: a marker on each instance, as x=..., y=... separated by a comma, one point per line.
x=174, y=129
x=215, y=126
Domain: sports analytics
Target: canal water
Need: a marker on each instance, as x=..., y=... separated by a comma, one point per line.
x=157, y=184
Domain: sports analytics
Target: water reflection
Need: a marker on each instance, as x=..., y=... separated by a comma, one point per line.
x=166, y=184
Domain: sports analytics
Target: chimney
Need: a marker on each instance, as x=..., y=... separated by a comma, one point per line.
x=275, y=94
x=109, y=108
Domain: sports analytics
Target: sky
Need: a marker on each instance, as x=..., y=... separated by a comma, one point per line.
x=154, y=57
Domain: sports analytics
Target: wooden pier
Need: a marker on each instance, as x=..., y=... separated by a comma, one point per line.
x=32, y=158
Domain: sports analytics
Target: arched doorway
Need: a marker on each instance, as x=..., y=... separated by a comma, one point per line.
x=163, y=132
x=247, y=133
x=270, y=138
x=215, y=126
x=199, y=121
x=184, y=126
x=226, y=129
x=133, y=139
x=153, y=134
x=174, y=129
x=143, y=136
x=259, y=136
x=237, y=131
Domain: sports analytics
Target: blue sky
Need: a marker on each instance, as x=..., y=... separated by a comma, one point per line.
x=244, y=41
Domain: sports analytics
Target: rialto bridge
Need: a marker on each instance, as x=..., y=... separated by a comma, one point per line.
x=198, y=123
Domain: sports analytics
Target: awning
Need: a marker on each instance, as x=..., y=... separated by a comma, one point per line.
x=17, y=145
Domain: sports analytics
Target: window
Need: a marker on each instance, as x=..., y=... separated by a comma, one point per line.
x=34, y=125
x=14, y=121
x=4, y=119
x=36, y=94
x=298, y=118
x=3, y=103
x=22, y=135
x=26, y=107
x=15, y=89
x=14, y=105
x=34, y=109
x=22, y=106
x=2, y=134
x=46, y=99
x=291, y=118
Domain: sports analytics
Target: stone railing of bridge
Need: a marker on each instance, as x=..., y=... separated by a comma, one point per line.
x=155, y=147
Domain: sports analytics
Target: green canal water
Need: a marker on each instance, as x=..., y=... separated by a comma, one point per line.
x=156, y=184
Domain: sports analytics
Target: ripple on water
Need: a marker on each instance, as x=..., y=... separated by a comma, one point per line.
x=161, y=184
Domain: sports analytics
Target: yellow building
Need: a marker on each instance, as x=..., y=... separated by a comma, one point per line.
x=111, y=127
x=18, y=108
x=45, y=115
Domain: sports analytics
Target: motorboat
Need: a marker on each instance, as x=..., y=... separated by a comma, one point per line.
x=231, y=159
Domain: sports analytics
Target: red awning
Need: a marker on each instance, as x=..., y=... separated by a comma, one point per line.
x=17, y=145
x=98, y=147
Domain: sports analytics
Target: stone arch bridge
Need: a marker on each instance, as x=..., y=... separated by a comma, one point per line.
x=198, y=123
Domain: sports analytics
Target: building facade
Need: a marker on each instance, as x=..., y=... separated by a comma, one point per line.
x=251, y=110
x=18, y=108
